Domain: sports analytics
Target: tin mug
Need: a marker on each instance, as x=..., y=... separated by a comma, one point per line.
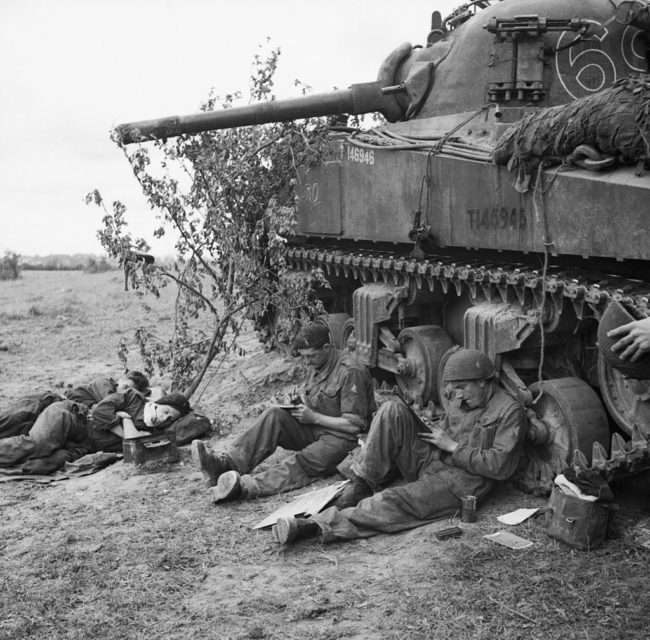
x=468, y=510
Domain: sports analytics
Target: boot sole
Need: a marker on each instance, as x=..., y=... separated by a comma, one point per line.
x=284, y=530
x=227, y=488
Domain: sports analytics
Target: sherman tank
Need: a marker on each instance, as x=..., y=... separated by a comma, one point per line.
x=503, y=206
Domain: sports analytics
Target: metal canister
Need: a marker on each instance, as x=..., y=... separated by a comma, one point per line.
x=468, y=511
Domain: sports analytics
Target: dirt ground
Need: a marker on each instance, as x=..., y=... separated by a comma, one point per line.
x=133, y=552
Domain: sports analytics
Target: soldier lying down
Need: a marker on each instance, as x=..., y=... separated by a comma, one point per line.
x=67, y=430
x=18, y=419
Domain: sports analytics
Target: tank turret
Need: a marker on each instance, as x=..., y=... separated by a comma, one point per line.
x=521, y=54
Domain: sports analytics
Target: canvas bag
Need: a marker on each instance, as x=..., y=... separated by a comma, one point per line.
x=579, y=523
x=190, y=427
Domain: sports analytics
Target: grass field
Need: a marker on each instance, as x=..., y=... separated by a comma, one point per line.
x=135, y=553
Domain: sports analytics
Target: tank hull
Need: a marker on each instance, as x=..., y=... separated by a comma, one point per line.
x=473, y=205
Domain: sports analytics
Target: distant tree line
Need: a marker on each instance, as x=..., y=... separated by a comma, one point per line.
x=89, y=264
x=11, y=264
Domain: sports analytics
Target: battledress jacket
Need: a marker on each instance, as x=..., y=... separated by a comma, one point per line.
x=490, y=439
x=20, y=418
x=92, y=393
x=342, y=388
x=103, y=417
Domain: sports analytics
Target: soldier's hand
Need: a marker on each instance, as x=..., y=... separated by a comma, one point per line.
x=634, y=339
x=439, y=438
x=303, y=414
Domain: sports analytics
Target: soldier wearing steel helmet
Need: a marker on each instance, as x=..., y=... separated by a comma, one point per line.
x=467, y=455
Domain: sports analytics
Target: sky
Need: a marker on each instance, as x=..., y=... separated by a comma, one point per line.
x=70, y=70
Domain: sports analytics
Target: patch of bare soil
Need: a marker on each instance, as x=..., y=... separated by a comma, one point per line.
x=133, y=552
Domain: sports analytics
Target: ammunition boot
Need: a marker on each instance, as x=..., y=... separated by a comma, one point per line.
x=287, y=530
x=212, y=465
x=228, y=487
x=353, y=494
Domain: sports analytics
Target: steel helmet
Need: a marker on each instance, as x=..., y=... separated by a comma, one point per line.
x=467, y=364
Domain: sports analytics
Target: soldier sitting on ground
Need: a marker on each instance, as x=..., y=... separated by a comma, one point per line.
x=336, y=406
x=440, y=464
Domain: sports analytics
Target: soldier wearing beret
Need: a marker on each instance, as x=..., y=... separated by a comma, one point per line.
x=336, y=406
x=464, y=454
x=66, y=430
x=20, y=418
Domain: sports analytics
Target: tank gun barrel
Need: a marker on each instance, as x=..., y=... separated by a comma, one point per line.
x=357, y=99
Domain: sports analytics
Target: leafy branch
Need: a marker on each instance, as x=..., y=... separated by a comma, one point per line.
x=228, y=197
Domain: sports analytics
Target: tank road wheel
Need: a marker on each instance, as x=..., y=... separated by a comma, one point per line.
x=347, y=335
x=627, y=399
x=568, y=416
x=447, y=402
x=422, y=348
x=335, y=323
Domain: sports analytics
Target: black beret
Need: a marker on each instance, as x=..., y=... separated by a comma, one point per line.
x=313, y=336
x=176, y=400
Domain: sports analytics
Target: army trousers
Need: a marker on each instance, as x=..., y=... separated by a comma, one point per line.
x=317, y=452
x=392, y=449
x=59, y=426
x=20, y=418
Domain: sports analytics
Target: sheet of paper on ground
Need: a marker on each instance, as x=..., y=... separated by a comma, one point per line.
x=509, y=540
x=305, y=505
x=517, y=517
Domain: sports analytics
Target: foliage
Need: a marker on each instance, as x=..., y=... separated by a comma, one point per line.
x=119, y=244
x=93, y=265
x=9, y=267
x=230, y=198
x=65, y=262
x=51, y=265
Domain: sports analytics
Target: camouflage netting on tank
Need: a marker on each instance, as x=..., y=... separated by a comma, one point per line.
x=614, y=122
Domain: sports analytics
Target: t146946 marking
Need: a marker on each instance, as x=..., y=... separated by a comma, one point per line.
x=356, y=154
x=497, y=218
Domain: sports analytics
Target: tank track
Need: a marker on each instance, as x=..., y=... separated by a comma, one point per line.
x=491, y=280
x=588, y=292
